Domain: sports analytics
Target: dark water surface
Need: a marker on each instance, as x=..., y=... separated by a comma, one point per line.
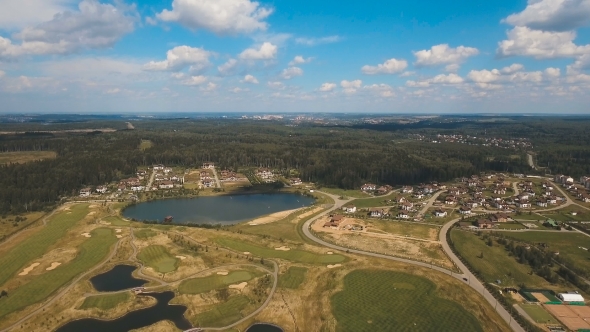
x=264, y=328
x=225, y=210
x=119, y=278
x=135, y=319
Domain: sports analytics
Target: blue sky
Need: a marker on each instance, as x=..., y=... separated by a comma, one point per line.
x=99, y=56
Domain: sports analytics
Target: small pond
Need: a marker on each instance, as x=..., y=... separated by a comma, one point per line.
x=225, y=210
x=264, y=328
x=135, y=319
x=118, y=278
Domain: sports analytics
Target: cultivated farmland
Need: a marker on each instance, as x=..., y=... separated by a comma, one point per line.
x=158, y=258
x=391, y=301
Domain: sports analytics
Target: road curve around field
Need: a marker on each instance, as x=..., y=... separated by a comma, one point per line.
x=471, y=279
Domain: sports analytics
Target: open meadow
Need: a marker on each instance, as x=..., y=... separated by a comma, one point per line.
x=22, y=157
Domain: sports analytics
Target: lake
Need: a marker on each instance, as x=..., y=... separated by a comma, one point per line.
x=225, y=210
x=264, y=328
x=135, y=319
x=118, y=278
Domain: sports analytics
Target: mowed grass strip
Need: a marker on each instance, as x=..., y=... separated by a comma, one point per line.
x=104, y=302
x=91, y=253
x=116, y=221
x=37, y=244
x=375, y=300
x=158, y=258
x=294, y=255
x=293, y=278
x=214, y=281
x=539, y=314
x=145, y=233
x=223, y=314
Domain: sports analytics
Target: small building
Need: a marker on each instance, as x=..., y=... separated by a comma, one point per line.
x=407, y=190
x=376, y=213
x=137, y=188
x=158, y=167
x=368, y=187
x=166, y=185
x=542, y=202
x=349, y=208
x=295, y=181
x=570, y=297
x=101, y=189
x=403, y=215
x=85, y=192
x=465, y=210
x=168, y=220
x=484, y=224
x=440, y=213
x=407, y=206
x=208, y=165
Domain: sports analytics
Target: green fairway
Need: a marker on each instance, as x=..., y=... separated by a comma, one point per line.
x=116, y=221
x=539, y=314
x=293, y=278
x=37, y=244
x=291, y=255
x=215, y=281
x=145, y=233
x=223, y=314
x=104, y=302
x=567, y=244
x=91, y=253
x=390, y=301
x=158, y=258
x=495, y=263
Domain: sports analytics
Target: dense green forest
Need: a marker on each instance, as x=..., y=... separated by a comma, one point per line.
x=338, y=156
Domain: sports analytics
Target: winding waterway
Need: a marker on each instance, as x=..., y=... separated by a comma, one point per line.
x=225, y=210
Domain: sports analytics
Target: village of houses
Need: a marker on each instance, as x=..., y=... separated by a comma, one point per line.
x=481, y=202
x=163, y=178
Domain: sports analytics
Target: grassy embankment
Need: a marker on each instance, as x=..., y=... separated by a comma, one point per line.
x=300, y=256
x=392, y=301
x=22, y=157
x=145, y=144
x=215, y=281
x=91, y=253
x=104, y=302
x=345, y=193
x=158, y=258
x=9, y=225
x=293, y=278
x=375, y=202
x=145, y=233
x=223, y=314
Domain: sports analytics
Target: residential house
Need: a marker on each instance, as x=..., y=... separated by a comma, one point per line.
x=137, y=187
x=264, y=173
x=407, y=206
x=484, y=224
x=552, y=200
x=450, y=200
x=403, y=215
x=335, y=221
x=376, y=213
x=167, y=170
x=208, y=165
x=585, y=198
x=419, y=195
x=349, y=208
x=208, y=183
x=205, y=175
x=382, y=190
x=295, y=181
x=465, y=210
x=564, y=179
x=455, y=191
x=407, y=190
x=498, y=217
x=524, y=204
x=166, y=185
x=548, y=186
x=501, y=205
x=585, y=180
x=401, y=200
x=369, y=187
x=158, y=167
x=85, y=192
x=542, y=202
x=500, y=191
x=121, y=187
x=101, y=189
x=440, y=213
x=472, y=183
x=471, y=204
x=523, y=196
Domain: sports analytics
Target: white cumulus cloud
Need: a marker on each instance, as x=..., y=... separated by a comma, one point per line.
x=195, y=80
x=444, y=55
x=391, y=66
x=299, y=60
x=289, y=73
x=350, y=87
x=180, y=57
x=266, y=51
x=220, y=16
x=250, y=79
x=552, y=15
x=317, y=41
x=438, y=79
x=327, y=87
x=523, y=41
x=228, y=67
x=513, y=74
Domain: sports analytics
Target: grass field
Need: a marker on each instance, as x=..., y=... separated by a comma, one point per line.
x=7, y=224
x=91, y=253
x=293, y=278
x=158, y=258
x=37, y=244
x=391, y=301
x=345, y=193
x=567, y=244
x=565, y=214
x=145, y=144
x=539, y=314
x=222, y=314
x=116, y=221
x=25, y=156
x=374, y=202
x=291, y=255
x=407, y=229
x=145, y=233
x=510, y=226
x=104, y=302
x=215, y=281
x=495, y=263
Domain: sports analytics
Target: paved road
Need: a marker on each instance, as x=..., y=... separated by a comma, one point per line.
x=429, y=203
x=151, y=181
x=217, y=183
x=471, y=279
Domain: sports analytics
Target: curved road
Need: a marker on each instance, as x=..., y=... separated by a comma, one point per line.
x=471, y=279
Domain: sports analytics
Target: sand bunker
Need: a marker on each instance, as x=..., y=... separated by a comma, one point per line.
x=29, y=269
x=53, y=266
x=181, y=257
x=223, y=273
x=333, y=266
x=67, y=208
x=283, y=248
x=330, y=253
x=239, y=286
x=246, y=253
x=271, y=217
x=93, y=206
x=86, y=235
x=118, y=230
x=91, y=213
x=119, y=236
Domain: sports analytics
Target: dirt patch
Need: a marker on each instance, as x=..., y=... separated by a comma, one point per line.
x=53, y=266
x=239, y=286
x=223, y=273
x=29, y=269
x=568, y=317
x=283, y=248
x=86, y=235
x=334, y=266
x=271, y=217
x=541, y=297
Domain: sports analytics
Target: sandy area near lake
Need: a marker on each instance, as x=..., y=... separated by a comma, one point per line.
x=29, y=269
x=333, y=266
x=53, y=266
x=239, y=286
x=283, y=248
x=223, y=273
x=271, y=217
x=86, y=235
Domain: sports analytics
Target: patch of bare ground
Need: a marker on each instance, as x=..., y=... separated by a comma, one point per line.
x=271, y=217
